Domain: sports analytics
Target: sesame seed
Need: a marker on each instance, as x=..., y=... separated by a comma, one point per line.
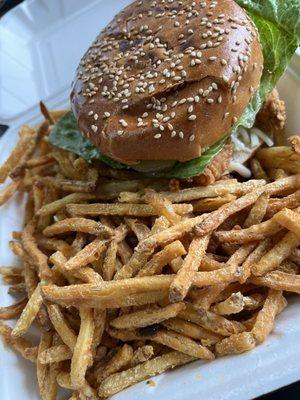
x=106, y=114
x=220, y=99
x=157, y=136
x=192, y=117
x=94, y=128
x=173, y=134
x=192, y=138
x=123, y=123
x=181, y=135
x=96, y=117
x=210, y=101
x=170, y=126
x=91, y=113
x=213, y=58
x=225, y=79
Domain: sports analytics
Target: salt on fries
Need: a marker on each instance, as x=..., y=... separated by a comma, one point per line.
x=126, y=281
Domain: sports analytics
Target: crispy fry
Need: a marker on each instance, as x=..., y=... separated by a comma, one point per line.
x=121, y=380
x=88, y=254
x=55, y=354
x=183, y=344
x=163, y=206
x=258, y=211
x=8, y=192
x=82, y=351
x=211, y=321
x=274, y=257
x=14, y=310
x=274, y=304
x=29, y=313
x=39, y=258
x=83, y=225
x=278, y=280
x=191, y=330
x=61, y=326
x=118, y=362
x=207, y=205
x=109, y=263
x=208, y=295
x=147, y=317
x=162, y=258
x=289, y=220
x=185, y=276
x=42, y=369
x=60, y=204
x=19, y=156
x=135, y=210
x=220, y=188
x=46, y=113
x=17, y=343
x=216, y=218
x=236, y=344
x=291, y=201
x=237, y=302
x=279, y=157
x=140, y=230
x=85, y=392
x=137, y=260
x=257, y=170
x=141, y=355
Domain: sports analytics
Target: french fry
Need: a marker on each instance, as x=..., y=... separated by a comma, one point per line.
x=46, y=113
x=278, y=280
x=140, y=230
x=236, y=303
x=42, y=370
x=276, y=205
x=83, y=225
x=61, y=326
x=109, y=263
x=215, y=219
x=87, y=255
x=185, y=276
x=183, y=344
x=119, y=381
x=258, y=211
x=207, y=205
x=162, y=258
x=163, y=206
x=8, y=192
x=119, y=361
x=254, y=233
x=220, y=188
x=55, y=354
x=273, y=305
x=18, y=156
x=86, y=391
x=137, y=260
x=208, y=296
x=55, y=245
x=160, y=224
x=141, y=355
x=236, y=344
x=191, y=330
x=60, y=204
x=39, y=258
x=99, y=326
x=68, y=185
x=290, y=220
x=82, y=351
x=257, y=170
x=14, y=310
x=19, y=344
x=279, y=157
x=29, y=313
x=274, y=257
x=211, y=321
x=134, y=210
x=150, y=316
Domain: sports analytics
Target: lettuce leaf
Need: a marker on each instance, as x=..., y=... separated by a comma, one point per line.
x=278, y=23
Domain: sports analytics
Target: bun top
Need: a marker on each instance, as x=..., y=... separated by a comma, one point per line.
x=166, y=79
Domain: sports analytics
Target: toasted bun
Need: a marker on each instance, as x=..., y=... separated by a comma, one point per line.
x=166, y=79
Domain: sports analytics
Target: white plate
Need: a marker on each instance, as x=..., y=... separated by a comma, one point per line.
x=268, y=367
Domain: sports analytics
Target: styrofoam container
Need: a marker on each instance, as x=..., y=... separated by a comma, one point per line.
x=40, y=45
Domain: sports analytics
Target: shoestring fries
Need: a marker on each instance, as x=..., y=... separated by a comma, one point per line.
x=128, y=277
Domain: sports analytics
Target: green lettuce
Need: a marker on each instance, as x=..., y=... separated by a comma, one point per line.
x=278, y=23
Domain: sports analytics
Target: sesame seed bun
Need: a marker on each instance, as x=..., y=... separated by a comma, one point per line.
x=166, y=79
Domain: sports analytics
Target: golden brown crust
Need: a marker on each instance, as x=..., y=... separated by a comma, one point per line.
x=167, y=79
x=216, y=168
x=272, y=117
